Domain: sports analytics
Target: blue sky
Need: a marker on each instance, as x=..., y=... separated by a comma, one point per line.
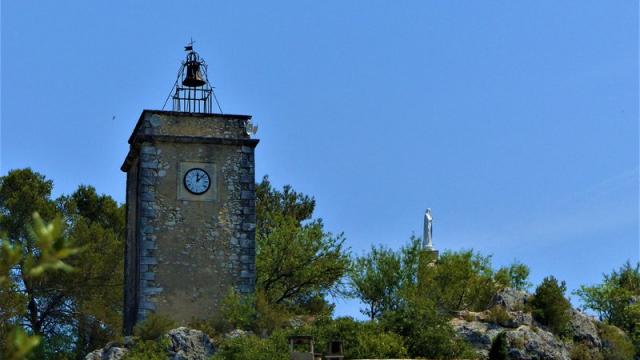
x=515, y=121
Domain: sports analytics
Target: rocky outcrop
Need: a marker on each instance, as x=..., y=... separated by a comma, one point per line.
x=584, y=329
x=183, y=344
x=525, y=342
x=527, y=339
x=511, y=299
x=111, y=351
x=189, y=344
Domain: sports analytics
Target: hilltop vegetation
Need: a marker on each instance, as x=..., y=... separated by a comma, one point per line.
x=416, y=306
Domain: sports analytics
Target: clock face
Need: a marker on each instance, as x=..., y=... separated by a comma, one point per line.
x=197, y=181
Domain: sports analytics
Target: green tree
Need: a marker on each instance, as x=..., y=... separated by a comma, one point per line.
x=460, y=281
x=52, y=249
x=426, y=331
x=72, y=312
x=297, y=261
x=379, y=277
x=549, y=305
x=375, y=280
x=516, y=276
x=23, y=193
x=96, y=222
x=617, y=300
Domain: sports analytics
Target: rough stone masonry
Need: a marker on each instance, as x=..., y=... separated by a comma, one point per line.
x=184, y=251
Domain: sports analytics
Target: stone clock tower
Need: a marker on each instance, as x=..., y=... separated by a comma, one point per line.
x=190, y=205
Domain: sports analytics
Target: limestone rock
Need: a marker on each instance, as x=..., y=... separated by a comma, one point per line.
x=184, y=344
x=584, y=329
x=510, y=299
x=526, y=343
x=189, y=344
x=112, y=351
x=237, y=333
x=479, y=334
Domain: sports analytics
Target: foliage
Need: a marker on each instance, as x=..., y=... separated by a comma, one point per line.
x=251, y=347
x=515, y=276
x=498, y=315
x=360, y=339
x=73, y=312
x=298, y=263
x=375, y=280
x=550, y=307
x=617, y=300
x=460, y=281
x=269, y=317
x=426, y=332
x=498, y=349
x=18, y=344
x=616, y=345
x=237, y=311
x=50, y=251
x=148, y=350
x=153, y=327
x=378, y=345
x=583, y=351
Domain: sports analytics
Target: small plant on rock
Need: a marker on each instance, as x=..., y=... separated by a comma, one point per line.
x=498, y=315
x=499, y=347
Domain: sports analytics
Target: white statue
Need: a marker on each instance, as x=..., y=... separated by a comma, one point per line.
x=428, y=230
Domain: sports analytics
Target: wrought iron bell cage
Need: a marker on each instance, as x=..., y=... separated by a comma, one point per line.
x=193, y=92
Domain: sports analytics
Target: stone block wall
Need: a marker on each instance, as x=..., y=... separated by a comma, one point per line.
x=188, y=253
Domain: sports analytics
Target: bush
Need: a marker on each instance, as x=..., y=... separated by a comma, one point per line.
x=616, y=345
x=269, y=317
x=498, y=349
x=360, y=339
x=426, y=332
x=498, y=315
x=236, y=312
x=550, y=307
x=582, y=351
x=378, y=345
x=153, y=327
x=251, y=347
x=148, y=350
x=460, y=281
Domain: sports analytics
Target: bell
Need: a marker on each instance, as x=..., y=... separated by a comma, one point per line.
x=194, y=77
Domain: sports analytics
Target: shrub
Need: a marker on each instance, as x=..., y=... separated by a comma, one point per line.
x=460, y=281
x=426, y=332
x=550, y=307
x=148, y=350
x=582, y=351
x=498, y=349
x=153, y=327
x=269, y=317
x=378, y=345
x=498, y=315
x=515, y=276
x=616, y=345
x=360, y=339
x=236, y=312
x=251, y=347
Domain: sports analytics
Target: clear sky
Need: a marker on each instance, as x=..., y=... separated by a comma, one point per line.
x=515, y=121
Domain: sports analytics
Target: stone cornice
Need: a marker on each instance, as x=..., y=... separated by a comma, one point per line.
x=141, y=138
